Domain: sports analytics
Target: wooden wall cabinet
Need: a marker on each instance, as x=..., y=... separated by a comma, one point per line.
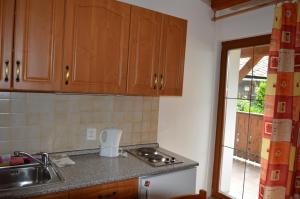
x=88, y=46
x=172, y=56
x=96, y=46
x=6, y=42
x=157, y=50
x=144, y=48
x=38, y=45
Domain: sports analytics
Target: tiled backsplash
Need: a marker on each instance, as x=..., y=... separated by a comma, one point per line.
x=36, y=122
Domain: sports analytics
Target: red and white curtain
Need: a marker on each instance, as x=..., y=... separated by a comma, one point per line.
x=280, y=155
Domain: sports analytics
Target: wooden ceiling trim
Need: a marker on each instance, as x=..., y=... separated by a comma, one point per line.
x=227, y=8
x=223, y=4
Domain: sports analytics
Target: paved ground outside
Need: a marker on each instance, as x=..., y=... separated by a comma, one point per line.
x=249, y=172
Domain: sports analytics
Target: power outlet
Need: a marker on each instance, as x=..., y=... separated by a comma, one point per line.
x=91, y=134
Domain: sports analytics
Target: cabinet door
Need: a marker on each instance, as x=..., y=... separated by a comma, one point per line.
x=172, y=52
x=145, y=35
x=96, y=46
x=61, y=195
x=38, y=44
x=119, y=190
x=6, y=41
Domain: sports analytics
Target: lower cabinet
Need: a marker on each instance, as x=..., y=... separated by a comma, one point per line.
x=119, y=190
x=127, y=189
x=61, y=195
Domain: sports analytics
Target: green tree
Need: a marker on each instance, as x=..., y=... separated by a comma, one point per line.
x=258, y=105
x=260, y=96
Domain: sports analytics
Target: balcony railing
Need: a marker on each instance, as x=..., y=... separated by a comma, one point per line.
x=248, y=136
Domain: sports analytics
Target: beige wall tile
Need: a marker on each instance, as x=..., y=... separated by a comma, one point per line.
x=118, y=117
x=32, y=119
x=136, y=116
x=147, y=104
x=28, y=145
x=103, y=105
x=102, y=117
x=5, y=147
x=18, y=119
x=46, y=118
x=25, y=132
x=5, y=106
x=5, y=119
x=18, y=95
x=137, y=127
x=86, y=117
x=147, y=116
x=37, y=122
x=18, y=106
x=4, y=95
x=86, y=104
x=5, y=133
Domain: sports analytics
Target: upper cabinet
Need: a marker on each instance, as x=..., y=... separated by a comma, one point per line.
x=157, y=50
x=144, y=48
x=96, y=46
x=6, y=41
x=90, y=46
x=38, y=45
x=172, y=56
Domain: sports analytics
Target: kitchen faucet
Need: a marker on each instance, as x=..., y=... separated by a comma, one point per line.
x=45, y=157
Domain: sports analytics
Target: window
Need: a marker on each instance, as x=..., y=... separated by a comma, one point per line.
x=243, y=75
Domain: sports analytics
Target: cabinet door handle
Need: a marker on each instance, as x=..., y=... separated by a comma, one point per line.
x=18, y=71
x=67, y=75
x=161, y=82
x=108, y=195
x=6, y=71
x=155, y=81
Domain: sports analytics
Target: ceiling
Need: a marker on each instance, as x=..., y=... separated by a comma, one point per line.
x=208, y=2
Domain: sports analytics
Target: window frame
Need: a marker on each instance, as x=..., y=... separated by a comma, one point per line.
x=226, y=46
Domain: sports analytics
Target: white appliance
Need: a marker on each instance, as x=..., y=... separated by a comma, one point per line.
x=109, y=142
x=168, y=185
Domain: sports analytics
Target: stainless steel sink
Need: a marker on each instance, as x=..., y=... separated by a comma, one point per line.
x=26, y=176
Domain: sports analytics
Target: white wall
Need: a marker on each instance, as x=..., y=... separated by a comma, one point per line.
x=187, y=124
x=257, y=22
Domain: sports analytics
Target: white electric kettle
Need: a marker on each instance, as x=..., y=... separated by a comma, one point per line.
x=109, y=142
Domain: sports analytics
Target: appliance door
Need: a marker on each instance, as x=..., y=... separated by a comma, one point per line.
x=168, y=185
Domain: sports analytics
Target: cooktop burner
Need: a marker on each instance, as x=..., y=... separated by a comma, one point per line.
x=146, y=151
x=154, y=156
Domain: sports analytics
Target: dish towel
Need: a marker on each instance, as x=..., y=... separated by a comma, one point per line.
x=62, y=160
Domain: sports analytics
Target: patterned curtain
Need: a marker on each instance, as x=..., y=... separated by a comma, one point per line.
x=280, y=172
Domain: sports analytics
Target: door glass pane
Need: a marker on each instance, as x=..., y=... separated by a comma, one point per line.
x=252, y=176
x=243, y=121
x=259, y=71
x=239, y=62
x=236, y=123
x=256, y=127
x=232, y=173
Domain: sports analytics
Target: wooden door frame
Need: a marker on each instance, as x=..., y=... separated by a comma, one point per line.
x=226, y=46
